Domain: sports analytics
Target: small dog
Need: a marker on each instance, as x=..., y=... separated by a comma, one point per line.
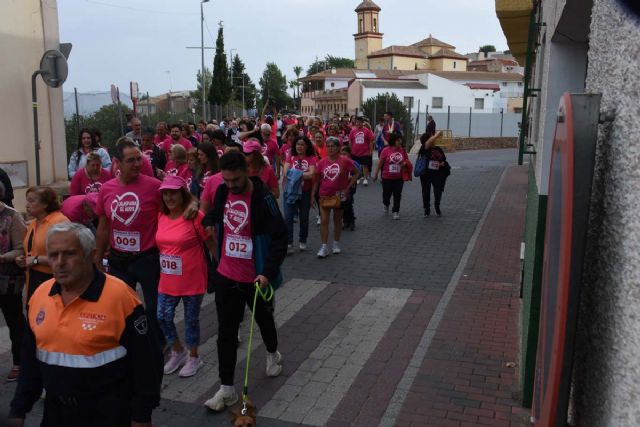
x=247, y=420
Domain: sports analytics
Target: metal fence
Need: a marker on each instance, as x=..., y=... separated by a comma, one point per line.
x=465, y=122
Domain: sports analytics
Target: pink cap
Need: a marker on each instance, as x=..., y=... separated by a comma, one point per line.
x=252, y=145
x=91, y=199
x=171, y=182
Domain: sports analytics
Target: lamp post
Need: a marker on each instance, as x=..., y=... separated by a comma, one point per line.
x=238, y=77
x=202, y=76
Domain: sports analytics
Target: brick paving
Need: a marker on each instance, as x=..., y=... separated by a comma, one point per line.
x=412, y=325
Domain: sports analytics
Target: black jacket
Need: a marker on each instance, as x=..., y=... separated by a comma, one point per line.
x=268, y=229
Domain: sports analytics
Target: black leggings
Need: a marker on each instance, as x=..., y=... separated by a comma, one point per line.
x=426, y=181
x=392, y=187
x=11, y=306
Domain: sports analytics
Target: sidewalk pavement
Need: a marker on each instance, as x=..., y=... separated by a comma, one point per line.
x=414, y=324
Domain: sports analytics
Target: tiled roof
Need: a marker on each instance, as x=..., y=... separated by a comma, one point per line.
x=477, y=76
x=398, y=50
x=350, y=73
x=448, y=53
x=432, y=41
x=393, y=84
x=367, y=5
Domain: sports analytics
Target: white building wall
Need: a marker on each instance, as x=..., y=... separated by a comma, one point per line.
x=337, y=84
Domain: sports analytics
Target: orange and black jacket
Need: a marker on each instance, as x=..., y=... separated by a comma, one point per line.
x=99, y=344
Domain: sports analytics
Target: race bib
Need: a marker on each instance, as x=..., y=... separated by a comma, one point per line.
x=238, y=247
x=434, y=165
x=171, y=264
x=126, y=241
x=360, y=138
x=393, y=168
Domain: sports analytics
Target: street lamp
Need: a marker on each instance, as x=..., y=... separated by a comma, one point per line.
x=202, y=76
x=238, y=77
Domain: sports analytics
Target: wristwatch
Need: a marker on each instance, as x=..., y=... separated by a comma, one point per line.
x=35, y=261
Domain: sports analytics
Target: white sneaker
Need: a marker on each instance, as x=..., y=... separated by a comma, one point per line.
x=303, y=247
x=386, y=210
x=318, y=220
x=274, y=366
x=336, y=248
x=396, y=215
x=175, y=361
x=289, y=249
x=221, y=399
x=191, y=367
x=365, y=182
x=323, y=252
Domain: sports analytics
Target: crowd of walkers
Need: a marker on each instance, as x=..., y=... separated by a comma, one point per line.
x=181, y=210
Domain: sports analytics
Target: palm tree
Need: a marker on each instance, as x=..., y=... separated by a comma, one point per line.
x=297, y=70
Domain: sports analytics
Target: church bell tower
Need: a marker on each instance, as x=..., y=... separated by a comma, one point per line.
x=368, y=38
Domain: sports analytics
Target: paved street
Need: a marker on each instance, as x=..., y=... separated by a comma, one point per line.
x=414, y=324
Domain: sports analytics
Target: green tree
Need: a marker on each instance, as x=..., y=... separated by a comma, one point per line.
x=220, y=91
x=374, y=108
x=297, y=70
x=196, y=95
x=487, y=48
x=329, y=62
x=240, y=76
x=273, y=85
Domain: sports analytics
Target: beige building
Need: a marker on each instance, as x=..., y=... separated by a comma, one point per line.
x=29, y=28
x=428, y=54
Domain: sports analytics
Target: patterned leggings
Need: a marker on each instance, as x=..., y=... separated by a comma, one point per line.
x=166, y=312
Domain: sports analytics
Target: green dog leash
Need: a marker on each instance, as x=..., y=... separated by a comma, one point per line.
x=266, y=295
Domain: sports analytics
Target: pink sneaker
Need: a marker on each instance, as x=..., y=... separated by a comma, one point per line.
x=191, y=367
x=175, y=361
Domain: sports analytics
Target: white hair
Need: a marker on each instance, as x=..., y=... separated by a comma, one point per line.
x=82, y=233
x=265, y=126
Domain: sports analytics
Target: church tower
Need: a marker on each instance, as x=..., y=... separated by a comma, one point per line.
x=368, y=38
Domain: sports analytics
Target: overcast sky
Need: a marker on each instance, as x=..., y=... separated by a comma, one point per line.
x=116, y=41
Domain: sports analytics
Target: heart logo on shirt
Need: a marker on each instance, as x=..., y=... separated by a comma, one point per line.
x=302, y=165
x=94, y=187
x=125, y=208
x=331, y=172
x=396, y=157
x=236, y=216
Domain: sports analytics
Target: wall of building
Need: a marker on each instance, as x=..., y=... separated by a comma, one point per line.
x=332, y=84
x=383, y=63
x=26, y=31
x=364, y=46
x=561, y=61
x=607, y=366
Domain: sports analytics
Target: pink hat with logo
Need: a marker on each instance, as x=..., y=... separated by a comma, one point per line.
x=252, y=145
x=171, y=182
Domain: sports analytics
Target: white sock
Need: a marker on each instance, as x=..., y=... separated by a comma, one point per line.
x=227, y=389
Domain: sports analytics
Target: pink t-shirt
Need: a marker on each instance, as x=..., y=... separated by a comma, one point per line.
x=285, y=152
x=334, y=175
x=81, y=183
x=236, y=257
x=73, y=208
x=132, y=213
x=392, y=159
x=182, y=171
x=167, y=144
x=270, y=150
x=303, y=163
x=159, y=141
x=183, y=270
x=268, y=177
x=360, y=141
x=145, y=169
x=210, y=188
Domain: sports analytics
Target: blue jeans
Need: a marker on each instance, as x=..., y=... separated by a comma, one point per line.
x=301, y=207
x=167, y=310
